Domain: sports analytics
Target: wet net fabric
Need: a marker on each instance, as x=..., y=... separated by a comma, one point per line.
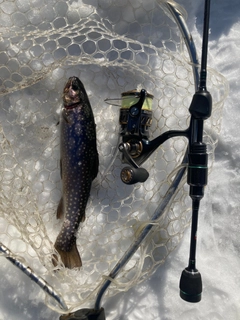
x=113, y=47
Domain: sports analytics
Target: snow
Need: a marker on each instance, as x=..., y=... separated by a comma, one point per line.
x=218, y=249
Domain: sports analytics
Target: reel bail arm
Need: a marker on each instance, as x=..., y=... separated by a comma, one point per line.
x=134, y=115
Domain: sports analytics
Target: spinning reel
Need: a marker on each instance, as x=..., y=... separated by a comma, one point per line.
x=135, y=120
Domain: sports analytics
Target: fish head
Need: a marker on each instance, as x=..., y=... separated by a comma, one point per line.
x=72, y=92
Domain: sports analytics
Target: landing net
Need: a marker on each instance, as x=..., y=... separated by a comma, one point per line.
x=113, y=47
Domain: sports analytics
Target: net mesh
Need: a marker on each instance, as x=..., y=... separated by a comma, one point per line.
x=112, y=46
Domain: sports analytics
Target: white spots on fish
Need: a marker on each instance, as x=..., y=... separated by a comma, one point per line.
x=78, y=129
x=71, y=143
x=66, y=223
x=78, y=154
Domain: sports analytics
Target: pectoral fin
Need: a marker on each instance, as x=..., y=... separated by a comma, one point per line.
x=60, y=211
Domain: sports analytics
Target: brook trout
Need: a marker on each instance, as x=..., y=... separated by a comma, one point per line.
x=79, y=166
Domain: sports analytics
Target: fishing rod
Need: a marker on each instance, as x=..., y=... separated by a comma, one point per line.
x=200, y=109
x=135, y=120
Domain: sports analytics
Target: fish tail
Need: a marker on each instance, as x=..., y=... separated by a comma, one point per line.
x=71, y=259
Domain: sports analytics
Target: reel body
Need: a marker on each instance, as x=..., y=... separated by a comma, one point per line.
x=135, y=119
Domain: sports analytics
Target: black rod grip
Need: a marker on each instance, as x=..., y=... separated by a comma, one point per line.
x=191, y=286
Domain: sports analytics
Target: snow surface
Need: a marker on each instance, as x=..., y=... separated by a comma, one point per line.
x=218, y=253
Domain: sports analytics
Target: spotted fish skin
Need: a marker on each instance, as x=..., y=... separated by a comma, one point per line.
x=79, y=166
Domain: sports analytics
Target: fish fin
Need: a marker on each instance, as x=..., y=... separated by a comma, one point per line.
x=71, y=259
x=60, y=212
x=83, y=218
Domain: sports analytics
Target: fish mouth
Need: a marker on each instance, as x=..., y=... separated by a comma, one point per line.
x=71, y=92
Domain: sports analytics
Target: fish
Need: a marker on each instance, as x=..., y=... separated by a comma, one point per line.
x=79, y=162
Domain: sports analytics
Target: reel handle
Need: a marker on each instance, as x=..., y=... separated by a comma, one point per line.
x=191, y=285
x=131, y=175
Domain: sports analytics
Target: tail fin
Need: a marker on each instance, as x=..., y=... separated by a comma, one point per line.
x=71, y=259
